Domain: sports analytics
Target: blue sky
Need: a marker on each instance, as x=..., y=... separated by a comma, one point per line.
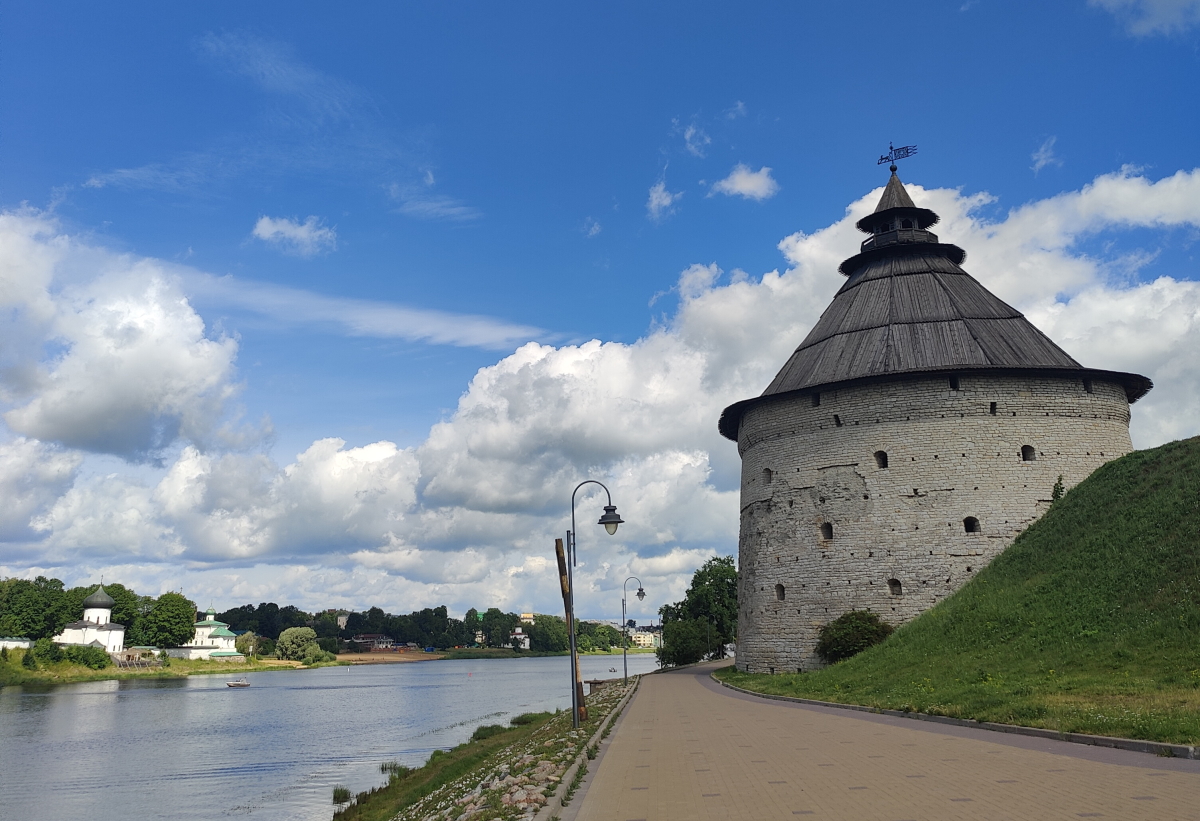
x=325, y=223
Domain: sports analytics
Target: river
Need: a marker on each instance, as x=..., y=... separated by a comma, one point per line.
x=195, y=749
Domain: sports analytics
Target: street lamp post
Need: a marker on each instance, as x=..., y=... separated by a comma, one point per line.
x=610, y=520
x=641, y=594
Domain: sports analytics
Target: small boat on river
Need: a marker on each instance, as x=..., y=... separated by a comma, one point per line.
x=238, y=682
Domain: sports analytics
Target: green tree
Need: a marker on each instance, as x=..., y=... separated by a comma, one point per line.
x=685, y=641
x=27, y=659
x=170, y=621
x=294, y=643
x=498, y=627
x=47, y=652
x=708, y=612
x=34, y=609
x=548, y=634
x=247, y=644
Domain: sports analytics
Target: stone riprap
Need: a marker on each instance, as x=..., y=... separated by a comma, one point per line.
x=519, y=779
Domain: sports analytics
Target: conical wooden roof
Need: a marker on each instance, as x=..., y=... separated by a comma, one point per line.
x=909, y=308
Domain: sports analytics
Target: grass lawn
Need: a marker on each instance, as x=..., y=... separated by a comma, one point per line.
x=64, y=672
x=1089, y=622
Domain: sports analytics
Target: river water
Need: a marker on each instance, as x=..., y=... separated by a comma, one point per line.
x=195, y=749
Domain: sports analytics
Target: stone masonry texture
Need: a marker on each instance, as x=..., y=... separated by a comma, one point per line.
x=826, y=529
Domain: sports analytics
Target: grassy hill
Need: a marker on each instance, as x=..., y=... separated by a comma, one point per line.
x=1089, y=622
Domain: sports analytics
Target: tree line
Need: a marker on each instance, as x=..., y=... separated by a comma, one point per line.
x=430, y=627
x=41, y=608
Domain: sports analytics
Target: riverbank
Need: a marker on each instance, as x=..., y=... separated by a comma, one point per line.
x=65, y=672
x=501, y=774
x=509, y=653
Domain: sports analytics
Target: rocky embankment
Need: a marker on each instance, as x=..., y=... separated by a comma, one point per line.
x=524, y=777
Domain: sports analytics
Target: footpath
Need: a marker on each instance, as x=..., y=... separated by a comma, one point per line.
x=686, y=748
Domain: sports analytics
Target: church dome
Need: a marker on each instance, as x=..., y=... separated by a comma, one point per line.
x=909, y=309
x=99, y=599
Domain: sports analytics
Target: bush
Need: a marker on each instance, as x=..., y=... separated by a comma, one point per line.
x=47, y=652
x=329, y=645
x=27, y=660
x=487, y=731
x=3, y=654
x=164, y=658
x=93, y=657
x=341, y=794
x=295, y=643
x=528, y=718
x=851, y=633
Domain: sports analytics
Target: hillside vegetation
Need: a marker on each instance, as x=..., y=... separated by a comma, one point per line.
x=1089, y=622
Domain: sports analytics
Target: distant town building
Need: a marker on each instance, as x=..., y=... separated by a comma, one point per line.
x=372, y=642
x=96, y=628
x=526, y=618
x=15, y=643
x=645, y=639
x=519, y=639
x=213, y=640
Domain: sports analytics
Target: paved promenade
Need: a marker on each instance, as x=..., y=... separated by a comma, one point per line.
x=688, y=749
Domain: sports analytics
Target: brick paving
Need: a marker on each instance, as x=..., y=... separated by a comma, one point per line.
x=687, y=748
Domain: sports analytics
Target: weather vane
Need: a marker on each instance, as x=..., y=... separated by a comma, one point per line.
x=897, y=154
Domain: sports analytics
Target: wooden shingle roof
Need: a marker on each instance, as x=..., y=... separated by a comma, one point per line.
x=909, y=308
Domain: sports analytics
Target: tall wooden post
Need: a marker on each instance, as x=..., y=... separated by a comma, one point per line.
x=578, y=705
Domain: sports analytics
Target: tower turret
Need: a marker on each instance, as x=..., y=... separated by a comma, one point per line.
x=919, y=426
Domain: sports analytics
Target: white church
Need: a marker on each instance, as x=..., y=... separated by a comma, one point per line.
x=97, y=627
x=213, y=640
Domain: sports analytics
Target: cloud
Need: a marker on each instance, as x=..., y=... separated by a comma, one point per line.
x=695, y=140
x=468, y=516
x=735, y=111
x=661, y=202
x=752, y=185
x=591, y=228
x=303, y=239
x=33, y=475
x=132, y=367
x=1045, y=156
x=292, y=307
x=419, y=202
x=274, y=68
x=1146, y=17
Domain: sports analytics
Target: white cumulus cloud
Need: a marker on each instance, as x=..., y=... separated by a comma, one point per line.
x=1145, y=17
x=752, y=185
x=661, y=202
x=468, y=517
x=304, y=239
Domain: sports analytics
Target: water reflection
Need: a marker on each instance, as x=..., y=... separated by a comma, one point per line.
x=196, y=749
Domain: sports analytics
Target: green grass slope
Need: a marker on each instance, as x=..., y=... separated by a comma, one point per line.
x=1089, y=622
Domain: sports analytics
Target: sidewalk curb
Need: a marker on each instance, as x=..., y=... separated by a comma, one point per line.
x=1135, y=745
x=555, y=805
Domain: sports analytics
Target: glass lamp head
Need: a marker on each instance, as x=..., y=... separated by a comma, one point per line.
x=641, y=594
x=611, y=519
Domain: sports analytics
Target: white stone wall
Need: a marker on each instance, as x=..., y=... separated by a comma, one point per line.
x=950, y=455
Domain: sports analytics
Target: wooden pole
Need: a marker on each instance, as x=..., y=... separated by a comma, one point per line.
x=578, y=705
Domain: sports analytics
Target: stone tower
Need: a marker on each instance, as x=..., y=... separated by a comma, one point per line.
x=918, y=428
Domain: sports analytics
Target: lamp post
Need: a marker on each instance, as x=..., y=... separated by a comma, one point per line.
x=610, y=520
x=641, y=594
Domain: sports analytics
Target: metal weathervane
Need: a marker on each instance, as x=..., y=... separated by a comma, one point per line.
x=897, y=153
